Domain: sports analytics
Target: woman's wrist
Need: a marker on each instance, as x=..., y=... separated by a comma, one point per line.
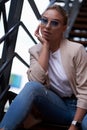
x=46, y=46
x=72, y=127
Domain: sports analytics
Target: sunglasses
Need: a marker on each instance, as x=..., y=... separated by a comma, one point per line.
x=53, y=23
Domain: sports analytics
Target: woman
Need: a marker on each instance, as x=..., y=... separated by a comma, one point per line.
x=57, y=77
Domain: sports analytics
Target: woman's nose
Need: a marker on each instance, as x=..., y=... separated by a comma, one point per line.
x=48, y=25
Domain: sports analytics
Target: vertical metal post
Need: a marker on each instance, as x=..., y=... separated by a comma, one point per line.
x=9, y=45
x=34, y=8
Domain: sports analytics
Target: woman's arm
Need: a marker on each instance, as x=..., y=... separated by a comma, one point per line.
x=39, y=57
x=81, y=78
x=44, y=55
x=80, y=113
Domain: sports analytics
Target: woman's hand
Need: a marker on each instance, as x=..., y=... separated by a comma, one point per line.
x=44, y=55
x=40, y=37
x=72, y=127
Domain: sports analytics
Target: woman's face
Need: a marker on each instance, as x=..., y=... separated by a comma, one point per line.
x=52, y=26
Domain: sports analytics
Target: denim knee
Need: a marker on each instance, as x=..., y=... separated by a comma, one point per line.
x=33, y=87
x=84, y=126
x=33, y=83
x=84, y=123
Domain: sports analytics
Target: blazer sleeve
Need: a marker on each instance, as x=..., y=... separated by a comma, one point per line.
x=81, y=77
x=35, y=71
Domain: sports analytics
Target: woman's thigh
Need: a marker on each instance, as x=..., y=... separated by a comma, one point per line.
x=55, y=109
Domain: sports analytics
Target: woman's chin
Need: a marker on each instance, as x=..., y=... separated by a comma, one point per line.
x=46, y=38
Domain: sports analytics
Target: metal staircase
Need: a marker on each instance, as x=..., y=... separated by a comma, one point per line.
x=78, y=32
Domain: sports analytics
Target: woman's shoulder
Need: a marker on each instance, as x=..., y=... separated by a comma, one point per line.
x=35, y=48
x=72, y=48
x=72, y=45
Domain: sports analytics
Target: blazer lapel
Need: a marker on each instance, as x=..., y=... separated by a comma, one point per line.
x=67, y=61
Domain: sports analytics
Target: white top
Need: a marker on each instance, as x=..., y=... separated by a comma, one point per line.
x=58, y=79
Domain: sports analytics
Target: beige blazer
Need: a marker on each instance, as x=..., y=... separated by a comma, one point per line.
x=74, y=60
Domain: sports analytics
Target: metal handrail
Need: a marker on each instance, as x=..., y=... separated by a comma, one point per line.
x=5, y=64
x=8, y=61
x=4, y=67
x=34, y=8
x=20, y=23
x=3, y=1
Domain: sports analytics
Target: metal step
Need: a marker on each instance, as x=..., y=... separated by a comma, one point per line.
x=43, y=126
x=78, y=34
x=80, y=26
x=81, y=20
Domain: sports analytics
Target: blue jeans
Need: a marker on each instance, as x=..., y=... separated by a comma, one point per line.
x=55, y=109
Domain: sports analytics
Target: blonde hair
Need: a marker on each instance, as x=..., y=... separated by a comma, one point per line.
x=60, y=10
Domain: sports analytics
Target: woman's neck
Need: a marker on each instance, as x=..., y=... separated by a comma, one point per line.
x=55, y=46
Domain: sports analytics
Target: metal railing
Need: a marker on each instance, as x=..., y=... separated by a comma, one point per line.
x=4, y=66
x=10, y=59
x=16, y=27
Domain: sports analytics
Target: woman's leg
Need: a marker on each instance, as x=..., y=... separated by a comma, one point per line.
x=21, y=105
x=52, y=106
x=84, y=123
x=55, y=109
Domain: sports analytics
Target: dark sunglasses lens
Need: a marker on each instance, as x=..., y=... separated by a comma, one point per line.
x=54, y=23
x=44, y=21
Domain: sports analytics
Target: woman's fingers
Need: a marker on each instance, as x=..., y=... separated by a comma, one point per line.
x=37, y=34
x=37, y=30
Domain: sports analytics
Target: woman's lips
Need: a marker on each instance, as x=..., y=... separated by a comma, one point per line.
x=46, y=33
